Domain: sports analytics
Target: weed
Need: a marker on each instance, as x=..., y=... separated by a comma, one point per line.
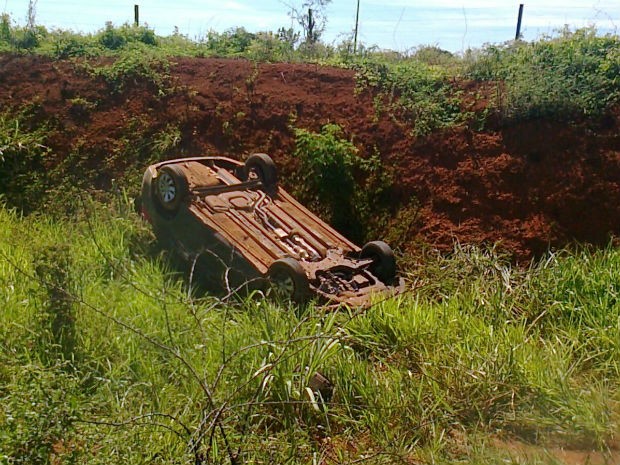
x=166, y=140
x=569, y=76
x=38, y=413
x=337, y=181
x=81, y=107
x=56, y=321
x=22, y=151
x=134, y=64
x=415, y=91
x=250, y=82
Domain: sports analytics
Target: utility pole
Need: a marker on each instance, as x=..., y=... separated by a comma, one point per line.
x=518, y=34
x=136, y=15
x=357, y=20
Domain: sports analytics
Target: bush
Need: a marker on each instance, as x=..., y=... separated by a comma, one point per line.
x=337, y=182
x=138, y=63
x=66, y=44
x=5, y=28
x=414, y=91
x=234, y=42
x=114, y=38
x=570, y=76
x=22, y=151
x=267, y=46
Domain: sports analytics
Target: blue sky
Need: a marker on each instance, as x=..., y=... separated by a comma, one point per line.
x=390, y=24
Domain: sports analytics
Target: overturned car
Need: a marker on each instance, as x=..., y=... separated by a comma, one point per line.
x=234, y=220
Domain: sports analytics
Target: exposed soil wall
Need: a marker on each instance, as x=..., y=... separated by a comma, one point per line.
x=528, y=186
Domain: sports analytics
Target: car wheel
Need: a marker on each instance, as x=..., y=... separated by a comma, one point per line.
x=289, y=279
x=170, y=187
x=261, y=166
x=383, y=262
x=137, y=205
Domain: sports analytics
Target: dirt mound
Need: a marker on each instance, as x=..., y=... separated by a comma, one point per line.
x=528, y=186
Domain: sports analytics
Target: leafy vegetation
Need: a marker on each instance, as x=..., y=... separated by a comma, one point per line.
x=570, y=76
x=152, y=371
x=137, y=64
x=22, y=153
x=415, y=91
x=352, y=192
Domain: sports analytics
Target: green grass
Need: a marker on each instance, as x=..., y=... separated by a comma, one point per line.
x=109, y=356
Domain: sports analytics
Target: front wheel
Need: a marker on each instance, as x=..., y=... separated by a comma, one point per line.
x=289, y=279
x=170, y=187
x=383, y=264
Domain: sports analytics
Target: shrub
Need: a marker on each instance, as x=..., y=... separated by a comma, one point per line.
x=267, y=46
x=134, y=64
x=336, y=181
x=26, y=39
x=114, y=38
x=414, y=91
x=22, y=151
x=573, y=75
x=66, y=44
x=233, y=42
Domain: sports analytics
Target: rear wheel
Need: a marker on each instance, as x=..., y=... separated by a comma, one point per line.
x=170, y=187
x=260, y=166
x=289, y=279
x=383, y=264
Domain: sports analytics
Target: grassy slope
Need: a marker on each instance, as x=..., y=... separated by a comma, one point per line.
x=107, y=358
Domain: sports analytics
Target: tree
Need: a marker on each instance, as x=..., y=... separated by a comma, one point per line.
x=32, y=14
x=311, y=17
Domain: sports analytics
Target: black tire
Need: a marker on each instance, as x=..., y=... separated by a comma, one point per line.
x=383, y=261
x=137, y=205
x=289, y=279
x=262, y=167
x=170, y=187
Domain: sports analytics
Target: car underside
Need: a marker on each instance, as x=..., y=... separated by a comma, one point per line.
x=248, y=229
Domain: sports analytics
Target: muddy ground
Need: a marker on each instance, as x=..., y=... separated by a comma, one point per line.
x=526, y=186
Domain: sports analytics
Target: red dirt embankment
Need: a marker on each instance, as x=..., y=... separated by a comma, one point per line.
x=527, y=186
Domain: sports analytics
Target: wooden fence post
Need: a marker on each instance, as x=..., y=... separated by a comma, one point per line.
x=357, y=20
x=518, y=34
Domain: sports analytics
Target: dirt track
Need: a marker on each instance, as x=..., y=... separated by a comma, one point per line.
x=529, y=186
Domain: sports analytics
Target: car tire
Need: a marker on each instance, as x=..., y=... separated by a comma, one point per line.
x=262, y=167
x=289, y=279
x=170, y=187
x=383, y=264
x=137, y=205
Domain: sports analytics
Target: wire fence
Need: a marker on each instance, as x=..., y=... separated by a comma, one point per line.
x=390, y=24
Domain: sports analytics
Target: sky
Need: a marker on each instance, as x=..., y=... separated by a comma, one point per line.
x=389, y=24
